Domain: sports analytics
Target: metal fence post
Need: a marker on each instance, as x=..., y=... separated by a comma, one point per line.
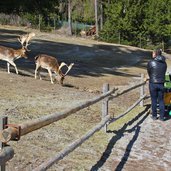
x=142, y=90
x=105, y=103
x=3, y=122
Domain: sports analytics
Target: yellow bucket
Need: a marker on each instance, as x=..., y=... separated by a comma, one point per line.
x=167, y=98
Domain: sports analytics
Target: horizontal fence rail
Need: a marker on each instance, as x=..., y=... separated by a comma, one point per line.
x=129, y=109
x=15, y=131
x=127, y=90
x=47, y=164
x=53, y=160
x=6, y=154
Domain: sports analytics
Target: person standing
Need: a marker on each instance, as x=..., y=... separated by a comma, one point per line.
x=156, y=69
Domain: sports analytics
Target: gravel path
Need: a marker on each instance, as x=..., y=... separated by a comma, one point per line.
x=140, y=145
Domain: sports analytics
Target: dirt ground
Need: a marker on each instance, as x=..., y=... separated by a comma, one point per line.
x=23, y=98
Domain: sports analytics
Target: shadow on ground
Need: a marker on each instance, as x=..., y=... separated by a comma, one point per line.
x=95, y=60
x=118, y=135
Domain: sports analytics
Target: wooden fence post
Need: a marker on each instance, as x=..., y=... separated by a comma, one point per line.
x=142, y=90
x=3, y=122
x=105, y=104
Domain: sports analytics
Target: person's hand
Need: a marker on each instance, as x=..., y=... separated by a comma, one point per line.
x=146, y=79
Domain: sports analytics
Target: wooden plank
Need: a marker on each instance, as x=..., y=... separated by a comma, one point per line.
x=47, y=164
x=3, y=122
x=142, y=90
x=105, y=101
x=6, y=154
x=33, y=125
x=126, y=90
x=129, y=109
x=105, y=104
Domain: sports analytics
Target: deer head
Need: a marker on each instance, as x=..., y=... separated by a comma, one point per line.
x=62, y=75
x=23, y=52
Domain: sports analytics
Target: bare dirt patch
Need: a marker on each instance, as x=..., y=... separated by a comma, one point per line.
x=24, y=98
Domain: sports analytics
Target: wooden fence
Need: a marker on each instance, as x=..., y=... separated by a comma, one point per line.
x=15, y=131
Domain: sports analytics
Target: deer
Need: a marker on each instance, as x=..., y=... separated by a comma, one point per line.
x=10, y=55
x=51, y=64
x=24, y=39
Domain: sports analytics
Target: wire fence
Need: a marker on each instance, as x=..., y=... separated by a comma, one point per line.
x=47, y=24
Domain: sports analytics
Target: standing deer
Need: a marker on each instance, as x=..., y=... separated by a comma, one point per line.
x=24, y=39
x=10, y=55
x=51, y=64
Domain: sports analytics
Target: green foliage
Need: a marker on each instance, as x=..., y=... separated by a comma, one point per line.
x=82, y=10
x=88, y=12
x=158, y=21
x=27, y=17
x=143, y=23
x=124, y=19
x=137, y=22
x=4, y=19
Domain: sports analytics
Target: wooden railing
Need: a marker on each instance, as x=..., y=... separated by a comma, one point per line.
x=15, y=131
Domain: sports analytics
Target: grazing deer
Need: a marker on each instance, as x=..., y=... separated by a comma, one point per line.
x=24, y=39
x=51, y=64
x=10, y=55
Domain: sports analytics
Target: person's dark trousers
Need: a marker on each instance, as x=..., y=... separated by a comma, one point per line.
x=157, y=95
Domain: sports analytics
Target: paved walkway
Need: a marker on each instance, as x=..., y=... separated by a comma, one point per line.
x=140, y=145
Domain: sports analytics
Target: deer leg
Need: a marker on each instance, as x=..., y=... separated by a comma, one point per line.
x=13, y=64
x=8, y=67
x=39, y=75
x=35, y=72
x=50, y=74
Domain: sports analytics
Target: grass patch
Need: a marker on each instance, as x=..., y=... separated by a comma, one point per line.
x=128, y=117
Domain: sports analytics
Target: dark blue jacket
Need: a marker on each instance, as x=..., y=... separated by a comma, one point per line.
x=156, y=69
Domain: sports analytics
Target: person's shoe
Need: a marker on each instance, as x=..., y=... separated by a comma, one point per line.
x=162, y=119
x=154, y=117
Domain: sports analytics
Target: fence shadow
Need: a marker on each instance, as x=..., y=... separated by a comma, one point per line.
x=118, y=135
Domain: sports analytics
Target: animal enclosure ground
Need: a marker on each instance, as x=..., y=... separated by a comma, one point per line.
x=23, y=98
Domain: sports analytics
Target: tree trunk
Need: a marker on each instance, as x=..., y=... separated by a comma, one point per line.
x=96, y=17
x=101, y=16
x=69, y=18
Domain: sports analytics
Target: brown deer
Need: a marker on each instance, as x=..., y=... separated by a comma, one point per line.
x=51, y=64
x=10, y=55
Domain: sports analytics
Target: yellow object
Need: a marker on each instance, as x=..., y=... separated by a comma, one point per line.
x=167, y=98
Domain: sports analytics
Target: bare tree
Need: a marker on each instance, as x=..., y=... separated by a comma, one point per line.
x=96, y=16
x=101, y=15
x=69, y=18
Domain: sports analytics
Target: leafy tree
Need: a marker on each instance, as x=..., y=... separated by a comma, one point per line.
x=158, y=20
x=132, y=20
x=124, y=20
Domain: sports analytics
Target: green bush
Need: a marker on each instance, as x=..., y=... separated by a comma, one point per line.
x=30, y=18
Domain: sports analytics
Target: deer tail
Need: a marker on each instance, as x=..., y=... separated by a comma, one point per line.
x=36, y=57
